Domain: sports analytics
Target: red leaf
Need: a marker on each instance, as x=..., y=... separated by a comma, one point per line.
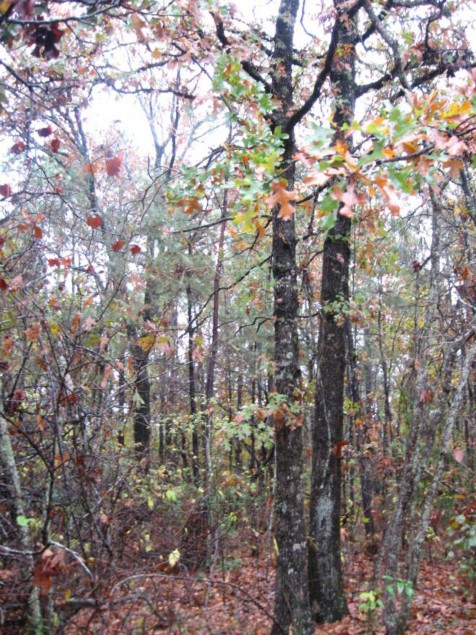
x=90, y=269
x=5, y=190
x=18, y=147
x=94, y=221
x=118, y=245
x=53, y=262
x=337, y=448
x=54, y=145
x=45, y=132
x=135, y=249
x=3, y=284
x=113, y=165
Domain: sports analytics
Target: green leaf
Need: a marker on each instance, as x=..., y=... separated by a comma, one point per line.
x=22, y=521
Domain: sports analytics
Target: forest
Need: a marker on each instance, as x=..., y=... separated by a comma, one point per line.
x=237, y=317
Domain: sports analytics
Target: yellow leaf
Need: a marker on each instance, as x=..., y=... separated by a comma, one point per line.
x=55, y=329
x=146, y=342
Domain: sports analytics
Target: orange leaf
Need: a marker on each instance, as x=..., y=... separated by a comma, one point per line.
x=32, y=332
x=38, y=233
x=94, y=221
x=118, y=245
x=282, y=197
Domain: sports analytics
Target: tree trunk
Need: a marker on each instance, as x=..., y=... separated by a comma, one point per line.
x=291, y=610
x=325, y=574
x=192, y=390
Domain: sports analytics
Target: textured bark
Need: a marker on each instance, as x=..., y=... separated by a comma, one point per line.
x=141, y=397
x=325, y=574
x=292, y=610
x=9, y=469
x=192, y=389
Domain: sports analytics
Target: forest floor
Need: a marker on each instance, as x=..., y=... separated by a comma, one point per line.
x=239, y=601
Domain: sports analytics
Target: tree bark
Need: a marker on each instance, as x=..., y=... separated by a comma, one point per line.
x=291, y=609
x=325, y=574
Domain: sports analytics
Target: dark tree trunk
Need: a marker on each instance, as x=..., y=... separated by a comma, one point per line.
x=325, y=574
x=292, y=610
x=192, y=390
x=142, y=407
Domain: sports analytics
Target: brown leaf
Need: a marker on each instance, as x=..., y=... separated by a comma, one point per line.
x=113, y=165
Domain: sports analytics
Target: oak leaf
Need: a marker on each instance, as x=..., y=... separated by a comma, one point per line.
x=282, y=197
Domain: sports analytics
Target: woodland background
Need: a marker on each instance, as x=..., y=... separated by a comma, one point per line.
x=238, y=308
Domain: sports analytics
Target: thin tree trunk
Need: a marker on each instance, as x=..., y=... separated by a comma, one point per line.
x=192, y=390
x=7, y=460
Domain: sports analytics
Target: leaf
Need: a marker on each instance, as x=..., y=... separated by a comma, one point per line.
x=282, y=197
x=174, y=557
x=94, y=221
x=3, y=284
x=45, y=132
x=32, y=332
x=18, y=147
x=348, y=199
x=458, y=455
x=89, y=322
x=337, y=448
x=55, y=145
x=5, y=190
x=135, y=249
x=118, y=245
x=37, y=232
x=53, y=262
x=146, y=342
x=113, y=165
x=22, y=521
